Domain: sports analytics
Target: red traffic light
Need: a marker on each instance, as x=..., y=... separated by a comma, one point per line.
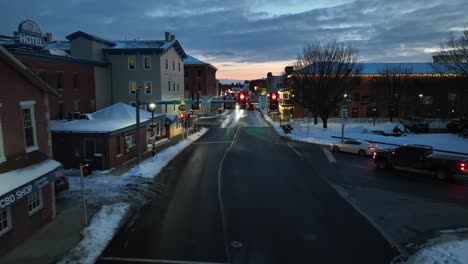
x=181, y=116
x=273, y=96
x=86, y=169
x=242, y=96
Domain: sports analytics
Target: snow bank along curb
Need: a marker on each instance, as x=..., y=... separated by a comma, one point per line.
x=98, y=234
x=110, y=218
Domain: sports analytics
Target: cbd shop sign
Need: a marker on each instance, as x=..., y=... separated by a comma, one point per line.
x=29, y=34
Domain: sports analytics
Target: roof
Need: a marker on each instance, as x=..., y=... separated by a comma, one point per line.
x=58, y=45
x=80, y=33
x=193, y=61
x=6, y=56
x=16, y=178
x=113, y=118
x=170, y=118
x=138, y=44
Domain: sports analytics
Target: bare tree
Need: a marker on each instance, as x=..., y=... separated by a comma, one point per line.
x=395, y=79
x=323, y=74
x=454, y=55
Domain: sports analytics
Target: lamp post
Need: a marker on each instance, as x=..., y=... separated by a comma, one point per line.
x=152, y=107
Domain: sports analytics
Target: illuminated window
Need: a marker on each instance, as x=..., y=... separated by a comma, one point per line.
x=132, y=87
x=148, y=86
x=129, y=143
x=147, y=62
x=35, y=202
x=5, y=221
x=29, y=125
x=131, y=63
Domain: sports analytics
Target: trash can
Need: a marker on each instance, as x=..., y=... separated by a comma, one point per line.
x=99, y=161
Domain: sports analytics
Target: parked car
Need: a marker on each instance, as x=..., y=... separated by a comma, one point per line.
x=417, y=124
x=421, y=159
x=61, y=184
x=355, y=146
x=251, y=107
x=457, y=125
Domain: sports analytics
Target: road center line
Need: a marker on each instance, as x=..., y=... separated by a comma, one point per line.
x=212, y=142
x=328, y=154
x=220, y=197
x=138, y=260
x=295, y=150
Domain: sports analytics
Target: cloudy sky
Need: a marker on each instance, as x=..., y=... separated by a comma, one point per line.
x=245, y=39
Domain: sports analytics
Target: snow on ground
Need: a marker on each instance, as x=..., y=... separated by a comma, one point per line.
x=452, y=251
x=227, y=111
x=97, y=235
x=316, y=134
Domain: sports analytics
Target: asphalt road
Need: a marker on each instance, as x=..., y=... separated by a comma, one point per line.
x=241, y=194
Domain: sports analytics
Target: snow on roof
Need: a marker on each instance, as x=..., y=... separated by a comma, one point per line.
x=15, y=178
x=120, y=111
x=171, y=118
x=58, y=45
x=59, y=52
x=417, y=68
x=138, y=44
x=193, y=61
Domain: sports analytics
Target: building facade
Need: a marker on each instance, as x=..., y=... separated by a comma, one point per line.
x=274, y=83
x=200, y=78
x=27, y=172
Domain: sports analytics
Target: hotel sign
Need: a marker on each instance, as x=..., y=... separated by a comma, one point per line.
x=29, y=34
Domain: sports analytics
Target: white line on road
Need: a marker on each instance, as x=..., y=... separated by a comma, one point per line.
x=211, y=142
x=220, y=197
x=328, y=154
x=295, y=150
x=138, y=260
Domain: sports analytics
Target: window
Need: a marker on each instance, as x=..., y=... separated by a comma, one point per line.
x=198, y=74
x=133, y=104
x=173, y=86
x=61, y=110
x=169, y=86
x=177, y=87
x=129, y=143
x=132, y=87
x=29, y=125
x=59, y=80
x=2, y=150
x=179, y=66
x=35, y=202
x=131, y=63
x=173, y=65
x=147, y=63
x=118, y=146
x=186, y=74
x=76, y=105
x=148, y=86
x=167, y=67
x=76, y=80
x=365, y=99
x=5, y=221
x=89, y=145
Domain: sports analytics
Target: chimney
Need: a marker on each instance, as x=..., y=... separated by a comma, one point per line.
x=269, y=75
x=288, y=70
x=167, y=36
x=172, y=37
x=48, y=37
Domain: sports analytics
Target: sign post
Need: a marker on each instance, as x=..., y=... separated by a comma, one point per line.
x=344, y=118
x=83, y=197
x=263, y=102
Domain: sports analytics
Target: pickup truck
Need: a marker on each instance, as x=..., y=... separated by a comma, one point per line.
x=421, y=159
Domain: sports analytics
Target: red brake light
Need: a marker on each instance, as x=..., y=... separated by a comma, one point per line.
x=393, y=152
x=371, y=148
x=462, y=167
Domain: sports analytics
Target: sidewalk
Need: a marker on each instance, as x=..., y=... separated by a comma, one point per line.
x=53, y=241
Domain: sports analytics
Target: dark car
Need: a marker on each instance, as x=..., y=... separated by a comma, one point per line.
x=421, y=159
x=457, y=125
x=417, y=124
x=251, y=107
x=61, y=184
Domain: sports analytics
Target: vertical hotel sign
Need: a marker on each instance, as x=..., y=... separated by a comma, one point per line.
x=29, y=34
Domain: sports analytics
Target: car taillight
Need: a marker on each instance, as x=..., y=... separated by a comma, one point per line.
x=463, y=167
x=371, y=148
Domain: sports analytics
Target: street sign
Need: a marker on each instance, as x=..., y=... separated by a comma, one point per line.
x=262, y=102
x=206, y=101
x=344, y=113
x=181, y=107
x=189, y=102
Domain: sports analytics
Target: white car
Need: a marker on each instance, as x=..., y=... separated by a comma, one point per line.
x=355, y=146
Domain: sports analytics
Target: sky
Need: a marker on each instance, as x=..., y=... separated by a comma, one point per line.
x=245, y=39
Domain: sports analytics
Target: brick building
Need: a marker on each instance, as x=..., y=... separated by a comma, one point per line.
x=27, y=173
x=200, y=78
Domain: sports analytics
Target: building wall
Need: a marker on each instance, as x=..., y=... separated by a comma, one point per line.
x=103, y=83
x=84, y=48
x=23, y=225
x=204, y=85
x=173, y=75
x=117, y=160
x=14, y=89
x=84, y=93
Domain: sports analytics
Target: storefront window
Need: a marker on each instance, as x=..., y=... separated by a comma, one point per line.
x=129, y=143
x=5, y=221
x=35, y=202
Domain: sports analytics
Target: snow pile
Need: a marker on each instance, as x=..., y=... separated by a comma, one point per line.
x=215, y=116
x=97, y=235
x=450, y=252
x=152, y=166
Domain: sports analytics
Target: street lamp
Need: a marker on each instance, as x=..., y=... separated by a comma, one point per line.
x=255, y=88
x=345, y=95
x=421, y=98
x=152, y=107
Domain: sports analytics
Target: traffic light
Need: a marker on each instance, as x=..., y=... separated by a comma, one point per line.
x=86, y=169
x=273, y=101
x=181, y=116
x=241, y=97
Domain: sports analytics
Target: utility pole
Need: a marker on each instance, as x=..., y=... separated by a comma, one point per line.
x=137, y=139
x=83, y=197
